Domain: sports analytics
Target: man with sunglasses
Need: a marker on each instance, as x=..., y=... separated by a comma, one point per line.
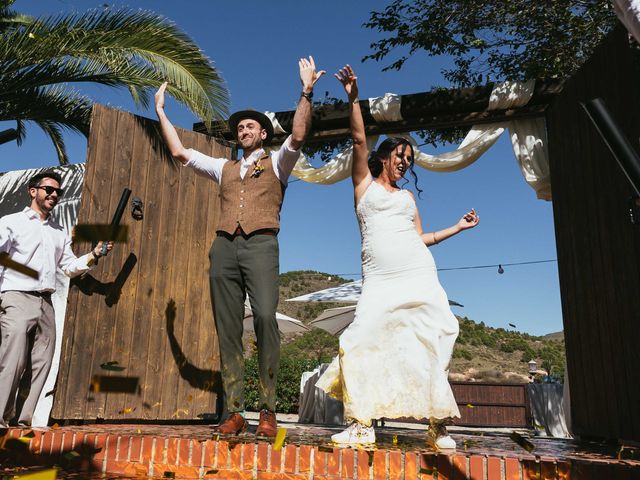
x=34, y=239
x=244, y=257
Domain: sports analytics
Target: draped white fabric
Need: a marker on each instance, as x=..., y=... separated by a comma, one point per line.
x=277, y=128
x=528, y=138
x=386, y=108
x=511, y=95
x=336, y=169
x=548, y=409
x=628, y=12
x=477, y=141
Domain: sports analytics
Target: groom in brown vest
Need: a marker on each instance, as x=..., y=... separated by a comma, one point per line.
x=244, y=257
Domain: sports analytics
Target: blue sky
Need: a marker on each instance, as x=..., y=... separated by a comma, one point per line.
x=255, y=45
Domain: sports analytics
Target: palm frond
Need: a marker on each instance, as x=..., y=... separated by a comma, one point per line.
x=57, y=104
x=53, y=109
x=54, y=132
x=126, y=48
x=10, y=19
x=13, y=20
x=21, y=128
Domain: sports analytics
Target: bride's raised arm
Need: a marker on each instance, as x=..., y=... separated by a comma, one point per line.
x=360, y=174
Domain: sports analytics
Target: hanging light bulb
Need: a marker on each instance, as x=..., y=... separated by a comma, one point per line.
x=500, y=269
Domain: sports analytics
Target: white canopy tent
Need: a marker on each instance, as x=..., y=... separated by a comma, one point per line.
x=345, y=293
x=335, y=320
x=286, y=324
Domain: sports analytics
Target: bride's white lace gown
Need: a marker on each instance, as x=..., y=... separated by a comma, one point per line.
x=394, y=356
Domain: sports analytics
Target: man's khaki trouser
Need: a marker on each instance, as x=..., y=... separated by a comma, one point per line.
x=20, y=314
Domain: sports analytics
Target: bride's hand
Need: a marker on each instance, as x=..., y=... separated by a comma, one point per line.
x=469, y=220
x=349, y=81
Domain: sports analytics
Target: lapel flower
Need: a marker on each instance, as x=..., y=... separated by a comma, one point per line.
x=257, y=169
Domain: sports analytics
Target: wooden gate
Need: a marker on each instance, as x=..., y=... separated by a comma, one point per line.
x=139, y=340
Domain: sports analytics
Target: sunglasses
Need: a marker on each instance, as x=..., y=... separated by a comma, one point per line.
x=49, y=189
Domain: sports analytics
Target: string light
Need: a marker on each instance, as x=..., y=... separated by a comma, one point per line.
x=500, y=267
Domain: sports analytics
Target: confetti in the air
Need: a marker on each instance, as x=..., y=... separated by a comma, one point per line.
x=279, y=441
x=96, y=233
x=522, y=441
x=49, y=474
x=5, y=261
x=113, y=366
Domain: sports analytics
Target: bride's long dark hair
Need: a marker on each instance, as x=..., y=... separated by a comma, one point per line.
x=384, y=152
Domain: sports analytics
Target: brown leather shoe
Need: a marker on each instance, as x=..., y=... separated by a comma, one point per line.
x=267, y=426
x=233, y=425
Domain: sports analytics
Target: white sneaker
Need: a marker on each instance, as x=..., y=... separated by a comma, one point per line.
x=445, y=443
x=438, y=437
x=355, y=433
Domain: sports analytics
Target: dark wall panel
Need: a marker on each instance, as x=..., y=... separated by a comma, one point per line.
x=598, y=247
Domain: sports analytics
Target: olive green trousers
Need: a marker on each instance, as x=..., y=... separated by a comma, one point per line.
x=241, y=266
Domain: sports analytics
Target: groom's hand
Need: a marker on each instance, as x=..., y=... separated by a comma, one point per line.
x=308, y=74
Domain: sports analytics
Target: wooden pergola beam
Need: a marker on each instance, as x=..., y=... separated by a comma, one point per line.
x=420, y=111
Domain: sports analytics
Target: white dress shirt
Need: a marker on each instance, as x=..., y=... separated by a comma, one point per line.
x=283, y=161
x=42, y=245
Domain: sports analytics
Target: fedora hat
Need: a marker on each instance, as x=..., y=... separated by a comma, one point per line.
x=259, y=117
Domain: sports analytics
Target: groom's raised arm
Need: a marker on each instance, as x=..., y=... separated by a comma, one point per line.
x=202, y=164
x=302, y=116
x=168, y=131
x=289, y=153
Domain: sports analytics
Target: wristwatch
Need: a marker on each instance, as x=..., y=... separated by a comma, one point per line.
x=308, y=96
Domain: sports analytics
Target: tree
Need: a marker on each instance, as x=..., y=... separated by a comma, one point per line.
x=315, y=345
x=492, y=40
x=41, y=59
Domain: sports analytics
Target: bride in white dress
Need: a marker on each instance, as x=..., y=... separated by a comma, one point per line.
x=394, y=357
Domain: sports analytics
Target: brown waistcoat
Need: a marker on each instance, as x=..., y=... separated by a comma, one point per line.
x=253, y=202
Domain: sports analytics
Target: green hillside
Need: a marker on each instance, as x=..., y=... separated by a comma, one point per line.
x=496, y=354
x=554, y=336
x=297, y=283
